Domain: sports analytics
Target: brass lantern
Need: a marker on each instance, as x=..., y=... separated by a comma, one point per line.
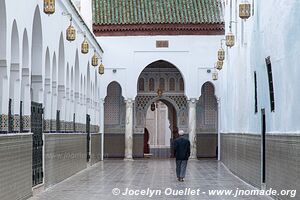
x=219, y=65
x=221, y=54
x=71, y=32
x=49, y=7
x=215, y=76
x=101, y=69
x=230, y=39
x=85, y=46
x=159, y=92
x=95, y=60
x=245, y=10
x=152, y=106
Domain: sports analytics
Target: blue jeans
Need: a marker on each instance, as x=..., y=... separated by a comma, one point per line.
x=181, y=168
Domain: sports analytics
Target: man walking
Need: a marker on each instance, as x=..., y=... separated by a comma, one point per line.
x=182, y=153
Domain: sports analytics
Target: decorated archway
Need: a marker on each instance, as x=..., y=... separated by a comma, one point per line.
x=207, y=122
x=160, y=82
x=114, y=121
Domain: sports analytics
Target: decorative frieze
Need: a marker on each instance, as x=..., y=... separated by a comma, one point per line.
x=16, y=123
x=83, y=128
x=62, y=126
x=26, y=123
x=77, y=127
x=53, y=125
x=47, y=125
x=69, y=127
x=4, y=123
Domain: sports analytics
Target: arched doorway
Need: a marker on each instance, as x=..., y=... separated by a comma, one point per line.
x=207, y=122
x=114, y=122
x=161, y=126
x=160, y=87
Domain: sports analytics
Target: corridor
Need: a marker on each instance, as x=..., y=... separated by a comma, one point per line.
x=87, y=83
x=98, y=181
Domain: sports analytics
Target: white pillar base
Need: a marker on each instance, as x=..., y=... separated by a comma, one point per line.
x=128, y=159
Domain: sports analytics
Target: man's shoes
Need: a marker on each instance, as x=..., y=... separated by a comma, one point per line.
x=180, y=179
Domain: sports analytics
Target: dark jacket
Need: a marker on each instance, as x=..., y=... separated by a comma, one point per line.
x=182, y=148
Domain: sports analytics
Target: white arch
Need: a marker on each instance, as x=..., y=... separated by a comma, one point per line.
x=25, y=50
x=47, y=64
x=72, y=79
x=96, y=86
x=54, y=69
x=61, y=61
x=68, y=101
x=14, y=78
x=89, y=92
x=77, y=89
x=54, y=93
x=3, y=62
x=81, y=88
x=72, y=104
x=77, y=72
x=3, y=30
x=166, y=61
x=68, y=77
x=36, y=58
x=80, y=115
x=84, y=90
x=47, y=91
x=61, y=78
x=15, y=46
x=25, y=82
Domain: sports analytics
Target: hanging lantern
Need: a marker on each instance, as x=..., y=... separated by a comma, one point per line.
x=152, y=106
x=230, y=39
x=219, y=65
x=85, y=46
x=215, y=76
x=95, y=60
x=101, y=69
x=245, y=10
x=49, y=6
x=221, y=54
x=159, y=92
x=71, y=32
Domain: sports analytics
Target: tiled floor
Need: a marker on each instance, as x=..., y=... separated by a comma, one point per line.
x=97, y=182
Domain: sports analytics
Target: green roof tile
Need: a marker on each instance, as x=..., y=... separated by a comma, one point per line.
x=109, y=12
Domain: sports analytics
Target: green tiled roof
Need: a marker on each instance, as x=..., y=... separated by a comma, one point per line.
x=111, y=12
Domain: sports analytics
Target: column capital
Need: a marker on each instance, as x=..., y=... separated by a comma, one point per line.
x=192, y=101
x=129, y=101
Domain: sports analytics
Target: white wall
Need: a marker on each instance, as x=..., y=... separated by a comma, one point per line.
x=273, y=30
x=192, y=55
x=52, y=27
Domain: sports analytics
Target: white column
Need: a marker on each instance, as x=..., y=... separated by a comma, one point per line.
x=47, y=100
x=192, y=127
x=129, y=129
x=102, y=127
x=219, y=128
